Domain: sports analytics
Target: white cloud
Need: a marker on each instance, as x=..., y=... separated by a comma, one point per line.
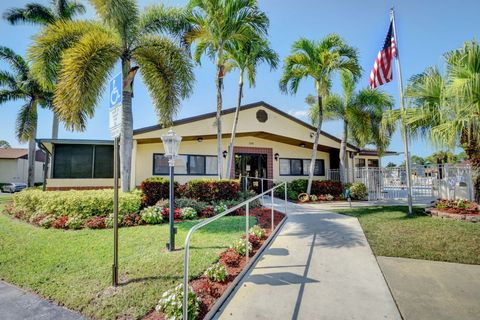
x=299, y=113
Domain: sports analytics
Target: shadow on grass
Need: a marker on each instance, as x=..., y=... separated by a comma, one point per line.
x=366, y=211
x=149, y=279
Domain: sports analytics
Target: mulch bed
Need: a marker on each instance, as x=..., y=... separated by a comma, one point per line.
x=454, y=214
x=209, y=291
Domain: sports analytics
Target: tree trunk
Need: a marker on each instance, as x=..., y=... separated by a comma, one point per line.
x=234, y=128
x=55, y=125
x=343, y=153
x=31, y=158
x=126, y=135
x=218, y=119
x=315, y=143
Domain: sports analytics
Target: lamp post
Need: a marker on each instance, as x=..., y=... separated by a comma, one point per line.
x=171, y=143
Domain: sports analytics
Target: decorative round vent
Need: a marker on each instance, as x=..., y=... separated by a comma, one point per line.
x=262, y=116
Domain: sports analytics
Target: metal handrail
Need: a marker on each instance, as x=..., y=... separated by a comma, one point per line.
x=245, y=203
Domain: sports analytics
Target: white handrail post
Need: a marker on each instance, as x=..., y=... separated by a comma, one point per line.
x=261, y=182
x=247, y=227
x=273, y=226
x=185, y=277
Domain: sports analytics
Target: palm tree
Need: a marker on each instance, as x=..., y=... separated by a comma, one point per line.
x=216, y=25
x=318, y=61
x=18, y=84
x=39, y=14
x=81, y=55
x=361, y=114
x=4, y=144
x=246, y=57
x=446, y=107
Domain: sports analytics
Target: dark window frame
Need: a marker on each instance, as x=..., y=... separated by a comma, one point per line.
x=322, y=171
x=187, y=165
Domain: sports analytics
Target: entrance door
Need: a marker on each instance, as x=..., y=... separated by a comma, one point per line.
x=252, y=165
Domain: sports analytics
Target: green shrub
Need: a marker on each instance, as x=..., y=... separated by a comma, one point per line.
x=152, y=215
x=212, y=191
x=220, y=208
x=247, y=194
x=109, y=220
x=240, y=246
x=313, y=197
x=217, y=272
x=74, y=203
x=154, y=189
x=75, y=223
x=171, y=303
x=47, y=221
x=359, y=191
x=257, y=231
x=298, y=185
x=188, y=213
x=198, y=206
x=292, y=195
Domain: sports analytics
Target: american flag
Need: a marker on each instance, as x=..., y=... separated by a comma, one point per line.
x=382, y=69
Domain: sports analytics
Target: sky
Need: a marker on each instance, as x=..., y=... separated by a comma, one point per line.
x=426, y=30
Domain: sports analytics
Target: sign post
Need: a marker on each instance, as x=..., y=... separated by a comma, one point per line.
x=115, y=126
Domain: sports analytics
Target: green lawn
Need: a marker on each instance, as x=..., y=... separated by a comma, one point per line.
x=73, y=268
x=390, y=233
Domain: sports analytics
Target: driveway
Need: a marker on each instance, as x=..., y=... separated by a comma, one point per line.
x=319, y=266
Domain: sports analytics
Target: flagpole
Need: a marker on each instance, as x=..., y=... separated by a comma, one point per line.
x=404, y=128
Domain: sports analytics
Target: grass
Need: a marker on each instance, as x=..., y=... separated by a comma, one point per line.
x=390, y=233
x=73, y=268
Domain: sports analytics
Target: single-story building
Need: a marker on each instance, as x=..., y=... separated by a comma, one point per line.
x=14, y=165
x=269, y=143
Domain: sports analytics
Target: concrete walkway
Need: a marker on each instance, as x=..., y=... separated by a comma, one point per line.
x=16, y=304
x=433, y=290
x=320, y=266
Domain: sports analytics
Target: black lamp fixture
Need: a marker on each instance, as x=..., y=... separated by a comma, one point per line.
x=225, y=153
x=276, y=155
x=199, y=139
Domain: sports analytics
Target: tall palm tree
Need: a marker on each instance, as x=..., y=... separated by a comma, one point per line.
x=36, y=13
x=361, y=113
x=217, y=24
x=81, y=55
x=318, y=61
x=445, y=107
x=245, y=57
x=17, y=84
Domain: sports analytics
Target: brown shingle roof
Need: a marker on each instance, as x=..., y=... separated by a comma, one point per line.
x=13, y=153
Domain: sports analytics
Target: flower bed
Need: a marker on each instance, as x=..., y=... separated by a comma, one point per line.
x=455, y=209
x=208, y=287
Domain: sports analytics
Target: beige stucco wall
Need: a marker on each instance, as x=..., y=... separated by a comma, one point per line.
x=16, y=170
x=144, y=155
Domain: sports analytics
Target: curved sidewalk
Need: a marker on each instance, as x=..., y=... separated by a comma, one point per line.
x=319, y=266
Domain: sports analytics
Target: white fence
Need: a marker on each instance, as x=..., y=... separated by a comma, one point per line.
x=428, y=182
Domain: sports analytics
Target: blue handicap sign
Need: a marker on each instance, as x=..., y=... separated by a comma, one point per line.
x=116, y=90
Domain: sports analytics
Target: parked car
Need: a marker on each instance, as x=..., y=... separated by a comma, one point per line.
x=13, y=187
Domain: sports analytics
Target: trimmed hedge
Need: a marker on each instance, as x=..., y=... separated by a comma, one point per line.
x=80, y=204
x=155, y=189
x=212, y=191
x=319, y=187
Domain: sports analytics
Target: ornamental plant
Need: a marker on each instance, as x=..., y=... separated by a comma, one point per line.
x=313, y=197
x=240, y=246
x=47, y=221
x=177, y=214
x=75, y=223
x=188, y=213
x=152, y=215
x=198, y=206
x=219, y=208
x=96, y=223
x=359, y=191
x=217, y=272
x=257, y=231
x=171, y=303
x=207, y=212
x=60, y=222
x=131, y=219
x=329, y=197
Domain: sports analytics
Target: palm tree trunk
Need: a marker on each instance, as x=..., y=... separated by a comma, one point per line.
x=343, y=153
x=218, y=119
x=31, y=158
x=126, y=135
x=315, y=143
x=234, y=128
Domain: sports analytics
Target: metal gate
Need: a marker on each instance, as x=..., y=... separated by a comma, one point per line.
x=428, y=182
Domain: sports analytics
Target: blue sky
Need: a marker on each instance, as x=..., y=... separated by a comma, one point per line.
x=426, y=30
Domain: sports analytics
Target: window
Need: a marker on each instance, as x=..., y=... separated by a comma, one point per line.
x=373, y=163
x=188, y=165
x=73, y=161
x=360, y=163
x=300, y=167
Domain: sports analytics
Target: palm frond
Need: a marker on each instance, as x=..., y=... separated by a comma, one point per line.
x=16, y=62
x=11, y=95
x=71, y=9
x=26, y=123
x=85, y=68
x=167, y=72
x=32, y=13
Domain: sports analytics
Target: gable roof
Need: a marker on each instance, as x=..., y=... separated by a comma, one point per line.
x=243, y=107
x=20, y=153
